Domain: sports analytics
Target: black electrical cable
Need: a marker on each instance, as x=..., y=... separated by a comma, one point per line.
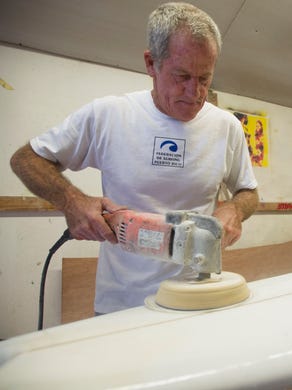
x=65, y=237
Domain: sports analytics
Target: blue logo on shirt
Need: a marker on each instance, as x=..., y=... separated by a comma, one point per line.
x=168, y=152
x=172, y=145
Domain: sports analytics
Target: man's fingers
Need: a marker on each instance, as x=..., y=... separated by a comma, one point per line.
x=110, y=206
x=102, y=231
x=87, y=222
x=229, y=239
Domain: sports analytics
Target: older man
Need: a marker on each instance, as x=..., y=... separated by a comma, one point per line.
x=160, y=150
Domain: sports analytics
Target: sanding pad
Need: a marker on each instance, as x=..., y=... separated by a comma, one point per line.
x=225, y=289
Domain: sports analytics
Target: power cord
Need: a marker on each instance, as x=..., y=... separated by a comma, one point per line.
x=65, y=237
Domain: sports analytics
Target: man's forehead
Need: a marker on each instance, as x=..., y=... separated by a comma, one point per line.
x=184, y=41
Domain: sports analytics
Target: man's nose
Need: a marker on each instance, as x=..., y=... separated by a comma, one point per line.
x=193, y=87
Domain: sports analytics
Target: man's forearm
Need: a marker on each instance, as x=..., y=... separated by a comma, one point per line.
x=83, y=213
x=246, y=202
x=233, y=212
x=42, y=177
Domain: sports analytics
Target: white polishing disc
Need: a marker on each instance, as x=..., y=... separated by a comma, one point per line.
x=221, y=290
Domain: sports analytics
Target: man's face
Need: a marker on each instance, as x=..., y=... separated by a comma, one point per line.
x=180, y=86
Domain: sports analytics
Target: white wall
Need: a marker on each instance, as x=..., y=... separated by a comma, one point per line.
x=46, y=89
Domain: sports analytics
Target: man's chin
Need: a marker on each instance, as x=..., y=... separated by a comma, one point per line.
x=186, y=111
x=187, y=115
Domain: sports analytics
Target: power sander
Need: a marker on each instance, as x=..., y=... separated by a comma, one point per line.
x=191, y=240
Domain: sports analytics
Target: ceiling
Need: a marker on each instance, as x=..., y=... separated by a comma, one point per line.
x=256, y=59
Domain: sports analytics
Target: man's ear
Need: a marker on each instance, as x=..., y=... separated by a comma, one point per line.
x=149, y=63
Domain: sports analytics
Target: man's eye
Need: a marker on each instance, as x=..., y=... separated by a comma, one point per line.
x=204, y=81
x=181, y=77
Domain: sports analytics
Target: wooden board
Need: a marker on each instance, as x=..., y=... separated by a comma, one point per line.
x=31, y=203
x=78, y=288
x=78, y=274
x=24, y=203
x=259, y=262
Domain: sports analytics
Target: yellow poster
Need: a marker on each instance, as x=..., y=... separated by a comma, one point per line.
x=255, y=129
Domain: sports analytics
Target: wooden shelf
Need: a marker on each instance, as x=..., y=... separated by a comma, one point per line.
x=24, y=203
x=31, y=203
x=280, y=207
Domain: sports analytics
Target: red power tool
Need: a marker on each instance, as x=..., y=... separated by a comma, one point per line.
x=182, y=237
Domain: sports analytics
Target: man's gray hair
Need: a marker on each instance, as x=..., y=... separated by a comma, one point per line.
x=171, y=17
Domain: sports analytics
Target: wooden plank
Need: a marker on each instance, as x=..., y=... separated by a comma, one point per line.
x=271, y=207
x=24, y=203
x=31, y=203
x=275, y=206
x=259, y=262
x=279, y=207
x=78, y=288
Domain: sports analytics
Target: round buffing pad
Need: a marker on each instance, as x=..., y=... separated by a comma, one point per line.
x=221, y=290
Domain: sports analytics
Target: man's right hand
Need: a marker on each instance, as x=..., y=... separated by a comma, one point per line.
x=84, y=216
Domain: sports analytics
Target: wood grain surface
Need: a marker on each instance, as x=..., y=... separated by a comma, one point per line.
x=31, y=203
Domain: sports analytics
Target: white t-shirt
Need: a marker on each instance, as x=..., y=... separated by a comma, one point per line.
x=151, y=163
